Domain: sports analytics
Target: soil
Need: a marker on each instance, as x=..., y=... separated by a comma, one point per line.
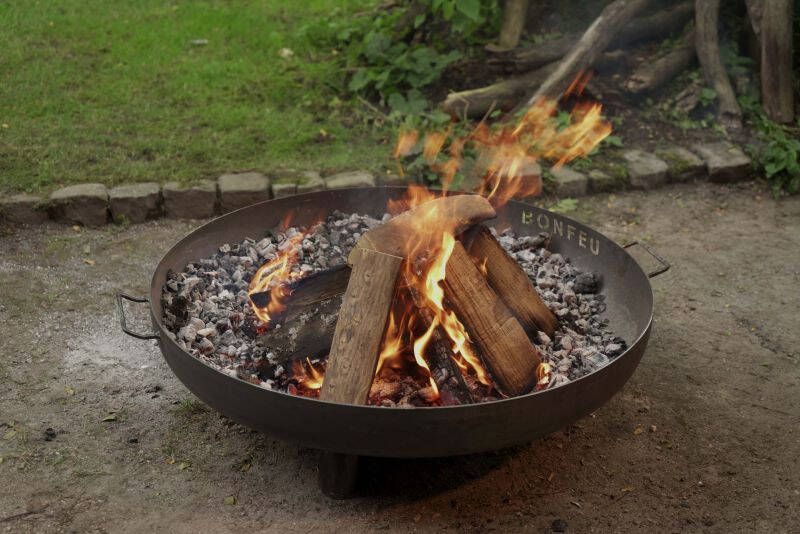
x=704, y=437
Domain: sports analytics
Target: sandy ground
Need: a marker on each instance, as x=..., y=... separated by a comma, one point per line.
x=703, y=438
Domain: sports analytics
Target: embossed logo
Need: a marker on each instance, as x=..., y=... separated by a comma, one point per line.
x=556, y=226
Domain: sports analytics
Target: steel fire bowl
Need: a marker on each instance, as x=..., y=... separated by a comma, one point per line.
x=418, y=432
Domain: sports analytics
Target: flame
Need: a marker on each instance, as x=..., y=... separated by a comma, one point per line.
x=307, y=375
x=419, y=349
x=273, y=277
x=392, y=348
x=543, y=372
x=507, y=154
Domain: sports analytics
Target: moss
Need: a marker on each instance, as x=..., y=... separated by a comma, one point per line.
x=676, y=164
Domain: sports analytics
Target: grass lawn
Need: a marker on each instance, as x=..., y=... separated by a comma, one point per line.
x=100, y=91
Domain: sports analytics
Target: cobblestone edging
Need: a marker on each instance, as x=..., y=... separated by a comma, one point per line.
x=95, y=205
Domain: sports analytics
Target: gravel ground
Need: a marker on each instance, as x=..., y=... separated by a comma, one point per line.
x=703, y=438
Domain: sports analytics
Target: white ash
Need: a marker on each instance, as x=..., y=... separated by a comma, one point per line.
x=207, y=307
x=582, y=342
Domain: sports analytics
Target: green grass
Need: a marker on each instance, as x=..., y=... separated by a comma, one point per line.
x=112, y=91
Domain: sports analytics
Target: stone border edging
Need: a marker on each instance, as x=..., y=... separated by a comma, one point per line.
x=95, y=205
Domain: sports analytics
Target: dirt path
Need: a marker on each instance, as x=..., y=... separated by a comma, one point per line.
x=715, y=402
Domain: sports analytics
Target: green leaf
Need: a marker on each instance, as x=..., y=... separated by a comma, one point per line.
x=470, y=9
x=359, y=80
x=448, y=9
x=614, y=140
x=229, y=500
x=109, y=418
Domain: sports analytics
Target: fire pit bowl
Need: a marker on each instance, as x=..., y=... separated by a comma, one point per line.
x=426, y=431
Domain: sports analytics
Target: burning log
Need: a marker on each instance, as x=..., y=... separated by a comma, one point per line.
x=443, y=367
x=444, y=370
x=506, y=348
x=360, y=327
x=456, y=213
x=511, y=284
x=311, y=310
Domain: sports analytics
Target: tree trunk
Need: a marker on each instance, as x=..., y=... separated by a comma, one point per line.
x=652, y=74
x=707, y=45
x=589, y=47
x=755, y=12
x=776, y=60
x=514, y=12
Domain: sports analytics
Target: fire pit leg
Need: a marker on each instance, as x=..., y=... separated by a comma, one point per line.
x=337, y=474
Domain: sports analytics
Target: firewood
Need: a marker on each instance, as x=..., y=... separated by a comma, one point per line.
x=777, y=86
x=503, y=95
x=590, y=46
x=707, y=46
x=507, y=351
x=306, y=332
x=360, y=327
x=506, y=94
x=307, y=291
x=652, y=74
x=455, y=214
x=647, y=28
x=511, y=284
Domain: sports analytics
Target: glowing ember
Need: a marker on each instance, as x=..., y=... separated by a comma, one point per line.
x=307, y=375
x=543, y=373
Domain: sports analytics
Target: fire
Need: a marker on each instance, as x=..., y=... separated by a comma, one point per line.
x=507, y=154
x=543, y=373
x=307, y=375
x=273, y=276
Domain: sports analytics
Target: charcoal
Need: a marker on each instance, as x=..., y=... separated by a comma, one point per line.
x=585, y=283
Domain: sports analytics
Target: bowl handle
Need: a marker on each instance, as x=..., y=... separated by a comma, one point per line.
x=664, y=263
x=123, y=324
